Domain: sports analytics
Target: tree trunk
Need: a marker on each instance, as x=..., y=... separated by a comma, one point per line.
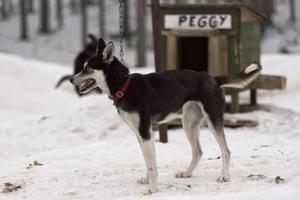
x=44, y=16
x=83, y=22
x=141, y=34
x=74, y=6
x=101, y=14
x=10, y=7
x=59, y=14
x=23, y=21
x=30, y=6
x=292, y=11
x=3, y=10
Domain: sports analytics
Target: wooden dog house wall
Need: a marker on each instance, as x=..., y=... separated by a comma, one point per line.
x=219, y=39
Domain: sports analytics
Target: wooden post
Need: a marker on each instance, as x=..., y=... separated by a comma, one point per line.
x=155, y=10
x=163, y=133
x=156, y=35
x=234, y=102
x=253, y=95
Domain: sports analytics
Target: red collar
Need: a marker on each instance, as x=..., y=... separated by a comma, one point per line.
x=120, y=93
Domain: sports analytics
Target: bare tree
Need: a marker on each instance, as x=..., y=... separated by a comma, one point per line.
x=74, y=5
x=101, y=11
x=292, y=11
x=44, y=16
x=84, y=26
x=59, y=14
x=23, y=21
x=10, y=7
x=30, y=6
x=141, y=34
x=3, y=9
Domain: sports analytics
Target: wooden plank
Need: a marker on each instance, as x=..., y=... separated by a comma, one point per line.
x=269, y=82
x=172, y=49
x=217, y=49
x=194, y=33
x=227, y=123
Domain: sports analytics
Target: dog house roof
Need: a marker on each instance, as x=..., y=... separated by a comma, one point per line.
x=259, y=16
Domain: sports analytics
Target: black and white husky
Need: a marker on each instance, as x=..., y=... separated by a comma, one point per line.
x=156, y=97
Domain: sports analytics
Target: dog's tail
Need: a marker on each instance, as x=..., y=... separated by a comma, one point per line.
x=62, y=79
x=241, y=80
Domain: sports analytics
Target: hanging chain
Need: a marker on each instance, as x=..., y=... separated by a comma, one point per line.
x=121, y=22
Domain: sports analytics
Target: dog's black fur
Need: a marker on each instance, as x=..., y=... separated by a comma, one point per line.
x=89, y=50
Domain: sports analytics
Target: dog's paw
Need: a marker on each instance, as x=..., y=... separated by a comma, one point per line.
x=223, y=179
x=149, y=191
x=143, y=181
x=181, y=174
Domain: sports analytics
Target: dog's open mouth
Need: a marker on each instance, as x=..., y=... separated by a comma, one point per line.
x=86, y=85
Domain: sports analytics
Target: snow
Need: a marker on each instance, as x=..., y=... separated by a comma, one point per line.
x=283, y=34
x=87, y=152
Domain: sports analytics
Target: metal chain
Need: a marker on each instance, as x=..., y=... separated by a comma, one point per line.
x=121, y=22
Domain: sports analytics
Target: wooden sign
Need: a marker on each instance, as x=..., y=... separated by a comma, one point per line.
x=217, y=21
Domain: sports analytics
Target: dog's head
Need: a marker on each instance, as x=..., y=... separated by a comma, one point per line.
x=97, y=68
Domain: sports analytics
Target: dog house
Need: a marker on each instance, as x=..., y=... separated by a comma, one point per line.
x=218, y=39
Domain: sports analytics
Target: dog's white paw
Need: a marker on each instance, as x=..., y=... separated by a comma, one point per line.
x=181, y=174
x=143, y=181
x=223, y=179
x=149, y=191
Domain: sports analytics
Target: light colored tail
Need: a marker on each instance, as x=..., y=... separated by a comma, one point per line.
x=241, y=80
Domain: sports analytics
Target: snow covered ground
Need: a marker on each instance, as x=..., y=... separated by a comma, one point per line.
x=87, y=152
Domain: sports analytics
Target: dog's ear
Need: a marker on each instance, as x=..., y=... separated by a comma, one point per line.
x=101, y=45
x=108, y=52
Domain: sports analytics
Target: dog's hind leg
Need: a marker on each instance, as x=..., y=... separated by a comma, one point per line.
x=192, y=117
x=215, y=124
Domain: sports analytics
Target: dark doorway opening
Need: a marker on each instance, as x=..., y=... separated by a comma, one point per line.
x=193, y=53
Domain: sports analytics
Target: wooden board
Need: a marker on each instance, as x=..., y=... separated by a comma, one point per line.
x=227, y=123
x=269, y=82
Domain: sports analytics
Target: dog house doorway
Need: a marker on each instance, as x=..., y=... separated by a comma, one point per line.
x=193, y=53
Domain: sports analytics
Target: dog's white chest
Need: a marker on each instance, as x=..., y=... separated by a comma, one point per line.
x=131, y=119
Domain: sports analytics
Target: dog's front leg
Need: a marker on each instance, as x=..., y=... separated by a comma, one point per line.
x=148, y=149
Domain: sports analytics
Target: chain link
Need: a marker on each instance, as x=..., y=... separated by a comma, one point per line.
x=121, y=23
